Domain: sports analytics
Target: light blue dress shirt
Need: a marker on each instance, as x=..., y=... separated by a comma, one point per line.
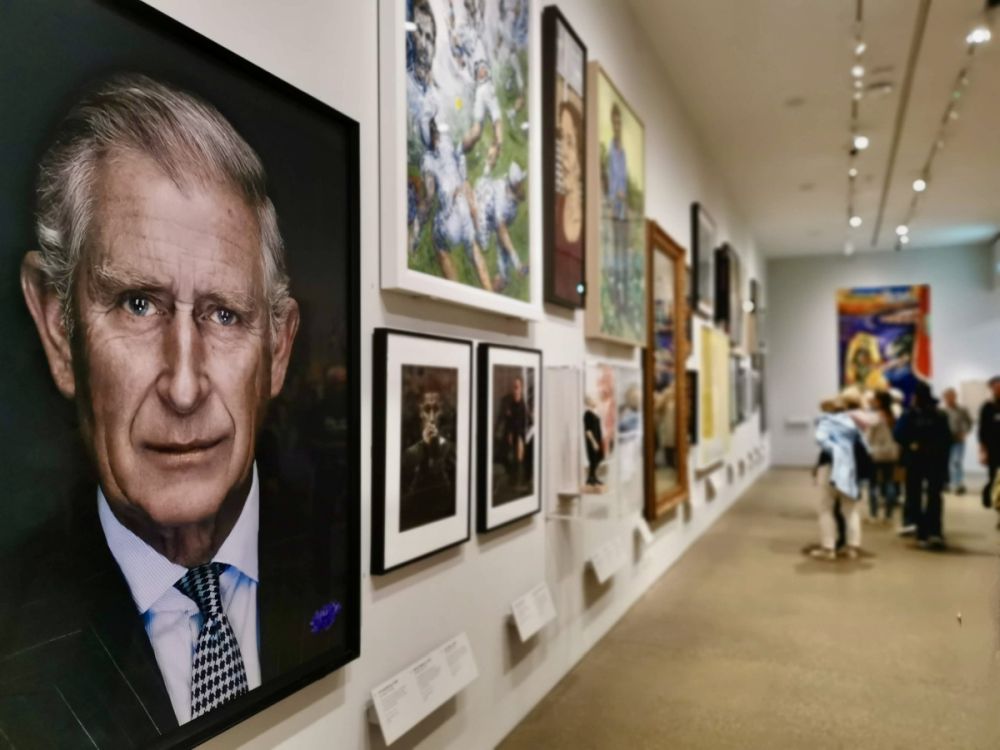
x=172, y=620
x=617, y=181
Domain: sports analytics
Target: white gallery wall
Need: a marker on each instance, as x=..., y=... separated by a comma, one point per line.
x=328, y=48
x=802, y=330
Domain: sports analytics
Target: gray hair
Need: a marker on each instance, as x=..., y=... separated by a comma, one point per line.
x=183, y=135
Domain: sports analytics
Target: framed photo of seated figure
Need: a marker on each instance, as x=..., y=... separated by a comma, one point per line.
x=458, y=153
x=180, y=249
x=421, y=446
x=666, y=430
x=510, y=432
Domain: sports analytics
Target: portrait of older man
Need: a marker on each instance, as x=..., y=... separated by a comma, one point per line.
x=159, y=292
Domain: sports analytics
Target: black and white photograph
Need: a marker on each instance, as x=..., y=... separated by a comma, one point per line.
x=180, y=252
x=422, y=414
x=509, y=434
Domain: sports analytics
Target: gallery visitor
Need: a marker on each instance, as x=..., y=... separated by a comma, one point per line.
x=925, y=440
x=960, y=423
x=884, y=451
x=989, y=438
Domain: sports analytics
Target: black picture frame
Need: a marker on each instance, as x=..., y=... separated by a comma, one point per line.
x=384, y=559
x=555, y=292
x=191, y=49
x=487, y=517
x=728, y=293
x=692, y=396
x=703, y=238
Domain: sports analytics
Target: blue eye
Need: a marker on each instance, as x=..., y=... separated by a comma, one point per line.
x=225, y=317
x=138, y=305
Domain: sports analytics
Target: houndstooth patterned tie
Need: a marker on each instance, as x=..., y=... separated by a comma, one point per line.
x=217, y=671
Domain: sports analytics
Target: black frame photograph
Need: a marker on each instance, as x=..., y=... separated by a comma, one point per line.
x=509, y=468
x=181, y=302
x=703, y=236
x=421, y=446
x=564, y=163
x=728, y=293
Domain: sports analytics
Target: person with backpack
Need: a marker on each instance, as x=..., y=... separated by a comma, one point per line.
x=925, y=442
x=884, y=451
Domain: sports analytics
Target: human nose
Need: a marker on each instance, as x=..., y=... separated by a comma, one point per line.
x=183, y=383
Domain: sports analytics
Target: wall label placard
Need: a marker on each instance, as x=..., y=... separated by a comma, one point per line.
x=403, y=700
x=609, y=558
x=532, y=611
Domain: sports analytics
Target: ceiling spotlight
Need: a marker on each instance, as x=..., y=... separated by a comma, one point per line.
x=904, y=240
x=953, y=114
x=848, y=248
x=902, y=230
x=854, y=221
x=860, y=47
x=857, y=71
x=919, y=185
x=979, y=35
x=861, y=142
x=857, y=96
x=852, y=172
x=858, y=83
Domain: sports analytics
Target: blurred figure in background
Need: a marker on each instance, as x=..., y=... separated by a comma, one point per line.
x=960, y=423
x=989, y=439
x=923, y=435
x=884, y=451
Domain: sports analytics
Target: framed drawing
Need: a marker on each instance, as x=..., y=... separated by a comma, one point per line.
x=616, y=210
x=510, y=435
x=702, y=262
x=455, y=83
x=564, y=164
x=186, y=230
x=728, y=293
x=713, y=397
x=421, y=427
x=666, y=385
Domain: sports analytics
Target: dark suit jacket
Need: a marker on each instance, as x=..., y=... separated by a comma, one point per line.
x=76, y=665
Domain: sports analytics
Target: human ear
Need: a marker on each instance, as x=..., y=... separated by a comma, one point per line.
x=45, y=309
x=282, y=339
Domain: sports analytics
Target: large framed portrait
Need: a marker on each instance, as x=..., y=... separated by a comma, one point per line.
x=703, y=234
x=422, y=426
x=455, y=85
x=180, y=306
x=666, y=384
x=564, y=164
x=616, y=215
x=728, y=293
x=714, y=397
x=510, y=435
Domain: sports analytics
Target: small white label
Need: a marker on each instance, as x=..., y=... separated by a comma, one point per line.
x=533, y=611
x=645, y=532
x=402, y=701
x=609, y=558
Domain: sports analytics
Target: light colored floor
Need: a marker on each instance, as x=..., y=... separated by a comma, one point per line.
x=747, y=643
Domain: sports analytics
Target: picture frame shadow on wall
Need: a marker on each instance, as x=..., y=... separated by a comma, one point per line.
x=564, y=162
x=703, y=243
x=616, y=219
x=458, y=155
x=666, y=402
x=421, y=446
x=206, y=145
x=509, y=468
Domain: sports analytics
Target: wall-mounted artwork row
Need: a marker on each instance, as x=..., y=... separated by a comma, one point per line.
x=884, y=338
x=180, y=545
x=455, y=88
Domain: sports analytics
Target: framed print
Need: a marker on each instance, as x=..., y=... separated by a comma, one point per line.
x=181, y=264
x=629, y=444
x=564, y=164
x=422, y=422
x=752, y=319
x=692, y=401
x=455, y=84
x=758, y=362
x=713, y=397
x=600, y=429
x=616, y=211
x=728, y=293
x=666, y=438
x=702, y=261
x=510, y=435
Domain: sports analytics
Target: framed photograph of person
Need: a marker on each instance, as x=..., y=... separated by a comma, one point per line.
x=564, y=164
x=510, y=435
x=703, y=241
x=729, y=293
x=666, y=435
x=421, y=446
x=458, y=153
x=600, y=429
x=180, y=263
x=616, y=215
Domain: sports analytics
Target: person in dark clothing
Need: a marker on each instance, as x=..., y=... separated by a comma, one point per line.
x=925, y=440
x=989, y=439
x=594, y=439
x=513, y=422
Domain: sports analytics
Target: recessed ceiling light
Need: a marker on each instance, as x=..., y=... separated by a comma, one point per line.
x=919, y=185
x=979, y=35
x=904, y=240
x=902, y=230
x=861, y=142
x=852, y=172
x=854, y=221
x=860, y=47
x=857, y=70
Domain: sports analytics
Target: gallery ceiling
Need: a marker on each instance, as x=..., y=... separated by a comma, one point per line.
x=768, y=86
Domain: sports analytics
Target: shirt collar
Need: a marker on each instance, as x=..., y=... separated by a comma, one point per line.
x=149, y=574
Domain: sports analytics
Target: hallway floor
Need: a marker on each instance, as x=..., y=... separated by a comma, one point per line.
x=748, y=643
